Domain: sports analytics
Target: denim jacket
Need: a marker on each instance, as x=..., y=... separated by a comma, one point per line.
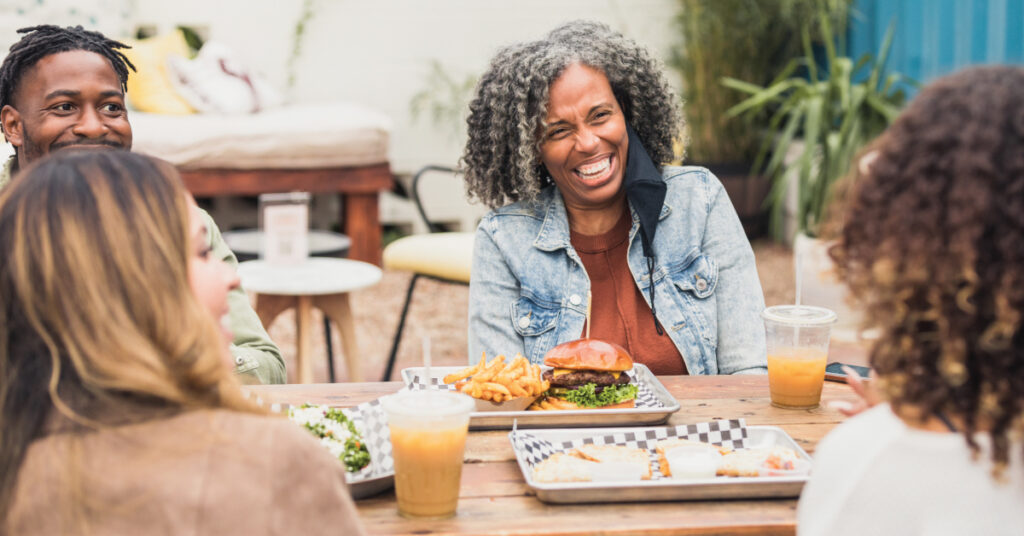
x=528, y=289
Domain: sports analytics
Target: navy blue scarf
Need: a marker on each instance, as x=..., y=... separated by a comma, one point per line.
x=645, y=189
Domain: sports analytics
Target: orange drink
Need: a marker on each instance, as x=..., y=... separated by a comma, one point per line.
x=796, y=376
x=797, y=339
x=428, y=436
x=428, y=466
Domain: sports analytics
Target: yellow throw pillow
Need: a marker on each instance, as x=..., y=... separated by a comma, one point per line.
x=149, y=87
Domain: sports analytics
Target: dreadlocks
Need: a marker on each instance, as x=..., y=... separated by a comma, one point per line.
x=42, y=41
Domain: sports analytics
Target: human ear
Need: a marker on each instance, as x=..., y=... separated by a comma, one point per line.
x=10, y=123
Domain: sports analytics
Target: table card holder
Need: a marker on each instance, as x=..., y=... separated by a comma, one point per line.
x=284, y=220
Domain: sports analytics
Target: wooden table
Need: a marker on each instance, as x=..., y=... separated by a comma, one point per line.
x=494, y=498
x=359, y=188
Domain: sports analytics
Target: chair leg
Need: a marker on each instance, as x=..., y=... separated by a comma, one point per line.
x=330, y=350
x=398, y=333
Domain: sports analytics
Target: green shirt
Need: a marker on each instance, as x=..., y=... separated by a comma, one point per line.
x=257, y=358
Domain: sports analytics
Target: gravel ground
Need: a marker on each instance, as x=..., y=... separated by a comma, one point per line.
x=439, y=310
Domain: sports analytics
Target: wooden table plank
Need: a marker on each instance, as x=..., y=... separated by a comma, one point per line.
x=494, y=498
x=526, y=515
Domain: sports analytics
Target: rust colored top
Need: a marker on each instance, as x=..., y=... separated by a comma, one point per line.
x=619, y=312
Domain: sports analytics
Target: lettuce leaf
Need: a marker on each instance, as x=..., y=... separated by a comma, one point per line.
x=587, y=397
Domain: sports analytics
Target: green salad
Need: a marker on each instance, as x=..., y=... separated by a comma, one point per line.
x=336, y=432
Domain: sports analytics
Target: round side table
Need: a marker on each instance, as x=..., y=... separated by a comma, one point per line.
x=318, y=282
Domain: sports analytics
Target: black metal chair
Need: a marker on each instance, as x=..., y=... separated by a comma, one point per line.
x=439, y=255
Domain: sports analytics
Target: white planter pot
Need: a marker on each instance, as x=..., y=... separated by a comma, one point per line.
x=818, y=284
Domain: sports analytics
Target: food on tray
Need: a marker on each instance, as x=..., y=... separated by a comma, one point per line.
x=594, y=462
x=751, y=462
x=336, y=432
x=587, y=374
x=665, y=445
x=639, y=458
x=742, y=462
x=497, y=381
x=563, y=467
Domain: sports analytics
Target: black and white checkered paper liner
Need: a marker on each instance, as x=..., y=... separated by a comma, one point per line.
x=371, y=421
x=645, y=397
x=727, y=433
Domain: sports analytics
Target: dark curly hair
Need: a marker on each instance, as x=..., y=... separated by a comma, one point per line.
x=933, y=247
x=41, y=41
x=502, y=155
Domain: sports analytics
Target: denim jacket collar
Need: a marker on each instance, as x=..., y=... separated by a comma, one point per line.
x=554, y=232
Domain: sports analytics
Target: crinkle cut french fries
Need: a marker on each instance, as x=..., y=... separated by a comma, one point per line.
x=497, y=381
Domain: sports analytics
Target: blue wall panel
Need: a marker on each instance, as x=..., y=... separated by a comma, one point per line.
x=937, y=37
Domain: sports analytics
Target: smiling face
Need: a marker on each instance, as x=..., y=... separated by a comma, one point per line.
x=69, y=99
x=211, y=278
x=585, y=143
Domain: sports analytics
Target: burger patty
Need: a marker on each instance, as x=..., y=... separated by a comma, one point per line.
x=581, y=377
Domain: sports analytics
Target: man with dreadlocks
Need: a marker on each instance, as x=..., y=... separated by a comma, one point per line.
x=64, y=88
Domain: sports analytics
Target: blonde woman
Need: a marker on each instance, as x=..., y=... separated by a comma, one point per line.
x=119, y=409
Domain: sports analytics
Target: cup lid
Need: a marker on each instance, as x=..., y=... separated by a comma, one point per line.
x=799, y=315
x=427, y=403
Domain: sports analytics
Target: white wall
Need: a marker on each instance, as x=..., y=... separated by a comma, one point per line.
x=378, y=52
x=375, y=52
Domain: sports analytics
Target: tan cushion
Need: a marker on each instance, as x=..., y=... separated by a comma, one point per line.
x=339, y=134
x=149, y=86
x=444, y=255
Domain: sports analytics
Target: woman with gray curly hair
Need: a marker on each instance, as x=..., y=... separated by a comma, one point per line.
x=568, y=140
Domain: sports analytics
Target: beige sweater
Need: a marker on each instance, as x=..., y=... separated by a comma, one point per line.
x=201, y=472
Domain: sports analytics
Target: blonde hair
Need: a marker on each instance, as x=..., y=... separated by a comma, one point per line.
x=96, y=311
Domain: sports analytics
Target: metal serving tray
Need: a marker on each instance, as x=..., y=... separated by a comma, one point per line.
x=654, y=405
x=661, y=488
x=379, y=475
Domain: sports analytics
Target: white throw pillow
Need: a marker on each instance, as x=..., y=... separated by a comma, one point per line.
x=216, y=82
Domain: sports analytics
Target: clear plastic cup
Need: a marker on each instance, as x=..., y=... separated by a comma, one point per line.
x=797, y=338
x=428, y=437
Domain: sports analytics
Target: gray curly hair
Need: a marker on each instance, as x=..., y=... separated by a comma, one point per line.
x=502, y=156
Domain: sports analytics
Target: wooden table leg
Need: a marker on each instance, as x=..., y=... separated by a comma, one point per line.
x=362, y=225
x=270, y=306
x=303, y=323
x=338, y=308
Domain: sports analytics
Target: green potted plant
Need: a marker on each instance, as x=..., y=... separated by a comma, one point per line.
x=747, y=40
x=820, y=122
x=833, y=112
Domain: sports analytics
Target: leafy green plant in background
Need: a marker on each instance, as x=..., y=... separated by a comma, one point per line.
x=748, y=40
x=833, y=113
x=298, y=34
x=445, y=98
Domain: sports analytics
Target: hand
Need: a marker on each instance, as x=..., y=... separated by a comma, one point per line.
x=867, y=394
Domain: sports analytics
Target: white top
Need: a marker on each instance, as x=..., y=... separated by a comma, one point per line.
x=315, y=276
x=875, y=475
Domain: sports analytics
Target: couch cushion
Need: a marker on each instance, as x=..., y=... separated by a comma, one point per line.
x=149, y=86
x=292, y=137
x=216, y=82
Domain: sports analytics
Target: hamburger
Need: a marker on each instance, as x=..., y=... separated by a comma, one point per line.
x=589, y=374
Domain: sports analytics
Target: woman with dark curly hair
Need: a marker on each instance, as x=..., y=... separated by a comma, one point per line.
x=568, y=140
x=933, y=246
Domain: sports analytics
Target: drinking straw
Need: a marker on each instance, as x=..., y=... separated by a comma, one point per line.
x=589, y=299
x=426, y=360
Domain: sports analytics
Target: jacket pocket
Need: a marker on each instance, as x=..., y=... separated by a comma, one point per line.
x=697, y=274
x=535, y=321
x=531, y=318
x=695, y=280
